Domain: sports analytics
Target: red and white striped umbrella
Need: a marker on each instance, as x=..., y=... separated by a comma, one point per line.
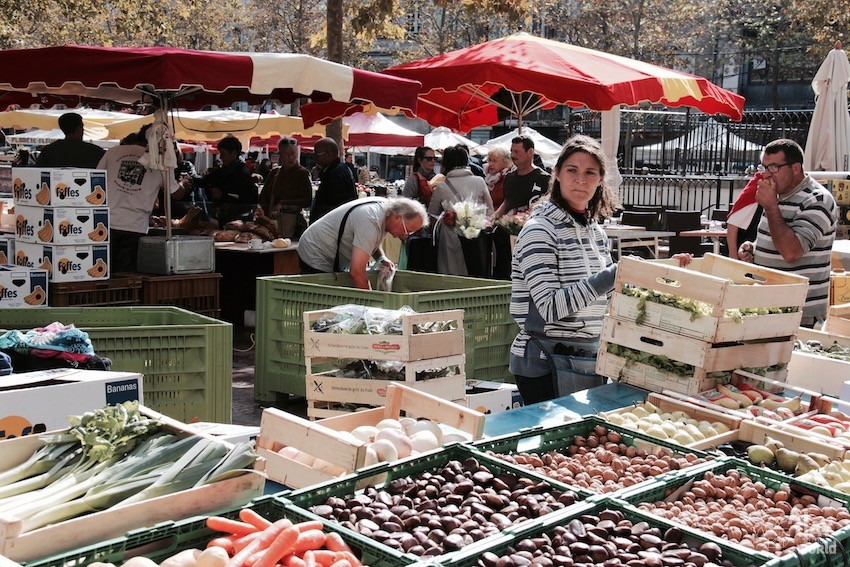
x=191, y=79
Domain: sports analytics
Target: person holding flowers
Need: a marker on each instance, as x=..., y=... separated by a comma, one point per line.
x=462, y=190
x=562, y=276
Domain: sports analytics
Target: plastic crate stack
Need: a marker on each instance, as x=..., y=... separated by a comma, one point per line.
x=689, y=341
x=61, y=225
x=330, y=394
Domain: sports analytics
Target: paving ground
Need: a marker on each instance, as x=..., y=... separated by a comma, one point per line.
x=245, y=410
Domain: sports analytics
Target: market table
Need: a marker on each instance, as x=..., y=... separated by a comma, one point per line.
x=715, y=234
x=559, y=410
x=631, y=236
x=240, y=266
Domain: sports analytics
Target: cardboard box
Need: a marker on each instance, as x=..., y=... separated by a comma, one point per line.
x=35, y=402
x=7, y=249
x=59, y=187
x=66, y=263
x=839, y=287
x=22, y=287
x=62, y=225
x=840, y=189
x=492, y=397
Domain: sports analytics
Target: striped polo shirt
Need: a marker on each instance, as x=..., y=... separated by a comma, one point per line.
x=810, y=211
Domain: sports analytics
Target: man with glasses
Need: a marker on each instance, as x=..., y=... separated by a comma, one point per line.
x=336, y=186
x=287, y=189
x=797, y=227
x=351, y=235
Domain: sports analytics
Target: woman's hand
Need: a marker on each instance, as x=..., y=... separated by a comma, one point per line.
x=684, y=259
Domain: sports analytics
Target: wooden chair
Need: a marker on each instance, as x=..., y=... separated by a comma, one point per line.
x=678, y=221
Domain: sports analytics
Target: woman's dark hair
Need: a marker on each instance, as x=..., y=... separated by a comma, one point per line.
x=418, y=155
x=455, y=157
x=230, y=144
x=604, y=200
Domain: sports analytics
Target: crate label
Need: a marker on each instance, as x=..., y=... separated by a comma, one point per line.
x=121, y=391
x=22, y=287
x=386, y=346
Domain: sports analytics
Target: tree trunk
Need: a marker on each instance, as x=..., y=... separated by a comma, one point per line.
x=335, y=53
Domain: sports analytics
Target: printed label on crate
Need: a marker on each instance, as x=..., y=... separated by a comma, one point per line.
x=66, y=263
x=33, y=224
x=7, y=249
x=59, y=187
x=121, y=391
x=22, y=287
x=81, y=225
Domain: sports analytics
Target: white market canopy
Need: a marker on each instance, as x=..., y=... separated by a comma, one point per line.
x=543, y=146
x=710, y=136
x=438, y=139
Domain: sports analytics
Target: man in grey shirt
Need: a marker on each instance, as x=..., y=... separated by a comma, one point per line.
x=351, y=234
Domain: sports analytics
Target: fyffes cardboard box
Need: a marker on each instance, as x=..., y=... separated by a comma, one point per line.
x=7, y=249
x=66, y=263
x=22, y=287
x=59, y=187
x=61, y=225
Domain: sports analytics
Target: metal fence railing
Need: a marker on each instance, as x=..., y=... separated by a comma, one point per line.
x=688, y=193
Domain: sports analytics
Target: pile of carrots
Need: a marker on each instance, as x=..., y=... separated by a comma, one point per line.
x=256, y=542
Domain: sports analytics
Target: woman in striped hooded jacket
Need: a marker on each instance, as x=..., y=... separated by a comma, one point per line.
x=562, y=275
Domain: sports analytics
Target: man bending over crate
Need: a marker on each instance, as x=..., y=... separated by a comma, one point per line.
x=797, y=228
x=350, y=235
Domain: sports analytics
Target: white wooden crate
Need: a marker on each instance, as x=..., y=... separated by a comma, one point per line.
x=818, y=373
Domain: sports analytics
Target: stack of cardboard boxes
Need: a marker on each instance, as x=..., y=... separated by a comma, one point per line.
x=62, y=222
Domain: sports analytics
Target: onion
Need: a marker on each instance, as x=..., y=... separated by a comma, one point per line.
x=327, y=467
x=365, y=433
x=289, y=452
x=305, y=459
x=389, y=424
x=385, y=450
x=426, y=425
x=424, y=441
x=402, y=442
x=371, y=457
x=456, y=438
x=406, y=423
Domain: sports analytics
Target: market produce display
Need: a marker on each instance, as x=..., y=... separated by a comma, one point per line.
x=773, y=454
x=601, y=462
x=606, y=538
x=826, y=425
x=753, y=400
x=738, y=507
x=363, y=320
x=432, y=513
x=111, y=457
x=385, y=370
x=678, y=426
x=835, y=475
x=262, y=227
x=834, y=351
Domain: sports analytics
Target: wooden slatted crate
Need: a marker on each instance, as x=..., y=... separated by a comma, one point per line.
x=720, y=282
x=819, y=373
x=321, y=439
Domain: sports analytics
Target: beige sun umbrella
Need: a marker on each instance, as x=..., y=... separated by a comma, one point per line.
x=94, y=121
x=828, y=143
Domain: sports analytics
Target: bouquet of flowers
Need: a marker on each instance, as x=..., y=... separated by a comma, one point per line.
x=513, y=222
x=467, y=218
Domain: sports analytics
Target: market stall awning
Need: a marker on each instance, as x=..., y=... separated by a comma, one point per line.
x=189, y=79
x=515, y=75
x=43, y=137
x=48, y=118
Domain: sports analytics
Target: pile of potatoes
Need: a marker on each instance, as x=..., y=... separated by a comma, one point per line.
x=737, y=507
x=606, y=539
x=432, y=513
x=601, y=462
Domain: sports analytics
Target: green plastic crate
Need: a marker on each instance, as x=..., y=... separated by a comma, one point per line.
x=186, y=358
x=468, y=557
x=826, y=552
x=282, y=300
x=381, y=474
x=558, y=438
x=168, y=538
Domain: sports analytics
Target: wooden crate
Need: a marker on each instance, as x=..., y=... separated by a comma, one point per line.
x=838, y=320
x=818, y=373
x=701, y=354
x=107, y=524
x=721, y=282
x=279, y=429
x=322, y=387
x=667, y=404
x=828, y=406
x=408, y=346
x=648, y=377
x=756, y=432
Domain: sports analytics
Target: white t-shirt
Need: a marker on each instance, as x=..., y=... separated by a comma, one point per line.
x=131, y=188
x=365, y=228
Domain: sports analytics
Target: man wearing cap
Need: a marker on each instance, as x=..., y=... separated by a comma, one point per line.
x=72, y=151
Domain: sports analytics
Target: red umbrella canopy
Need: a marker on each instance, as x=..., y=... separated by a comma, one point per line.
x=521, y=73
x=194, y=78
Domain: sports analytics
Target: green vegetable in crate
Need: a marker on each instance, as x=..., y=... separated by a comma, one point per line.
x=111, y=456
x=658, y=361
x=363, y=320
x=834, y=351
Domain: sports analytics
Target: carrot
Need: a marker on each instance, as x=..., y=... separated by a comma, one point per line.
x=240, y=543
x=294, y=561
x=280, y=547
x=249, y=516
x=309, y=525
x=310, y=539
x=263, y=541
x=227, y=525
x=309, y=558
x=224, y=542
x=324, y=557
x=355, y=562
x=334, y=542
x=342, y=563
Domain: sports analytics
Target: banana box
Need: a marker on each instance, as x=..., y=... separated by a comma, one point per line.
x=66, y=263
x=62, y=225
x=7, y=249
x=59, y=186
x=22, y=287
